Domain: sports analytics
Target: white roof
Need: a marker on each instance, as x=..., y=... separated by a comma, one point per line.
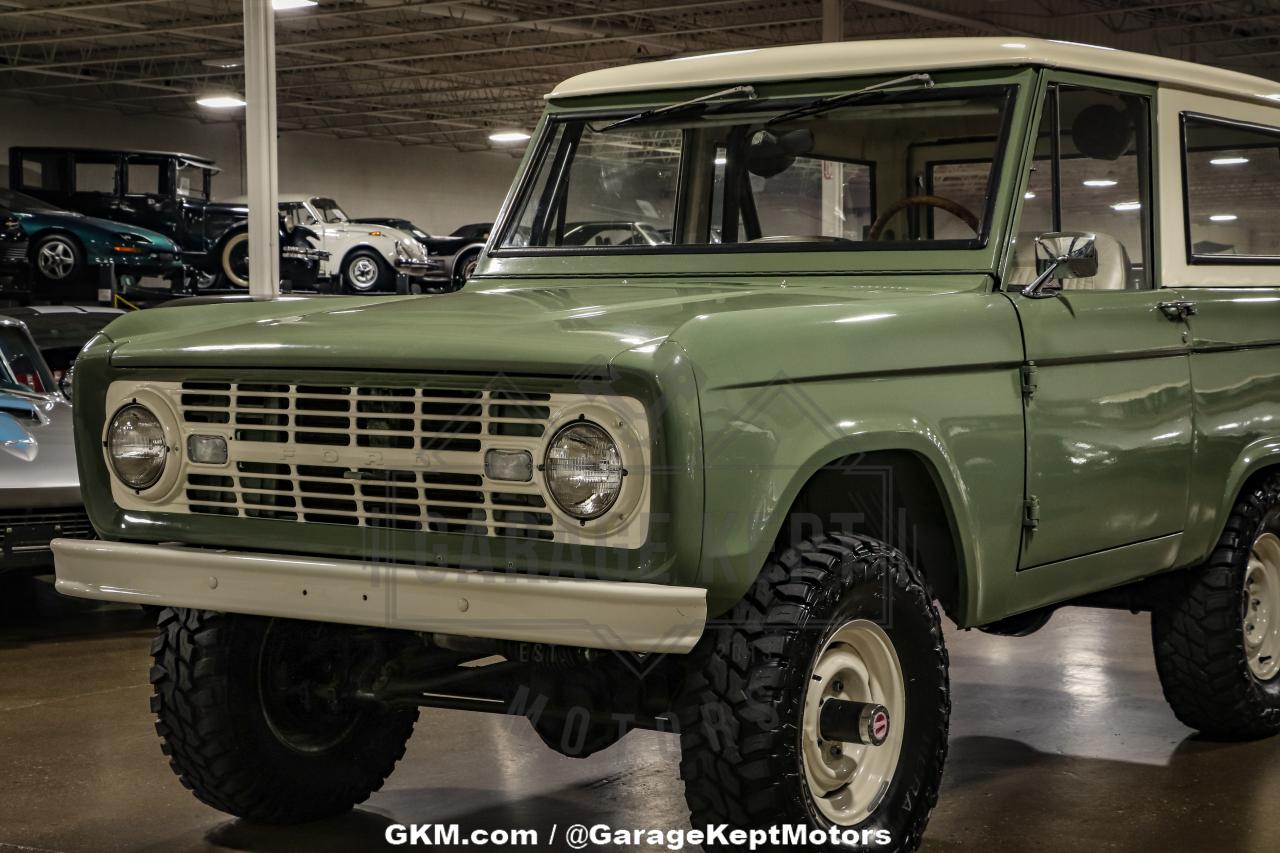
x=888, y=56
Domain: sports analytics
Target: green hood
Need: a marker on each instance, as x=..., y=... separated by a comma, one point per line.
x=548, y=328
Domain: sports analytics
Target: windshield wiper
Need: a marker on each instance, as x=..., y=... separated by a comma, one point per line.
x=831, y=102
x=736, y=93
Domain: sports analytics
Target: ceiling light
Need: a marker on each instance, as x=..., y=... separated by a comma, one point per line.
x=282, y=5
x=721, y=160
x=221, y=102
x=1127, y=205
x=1099, y=182
x=224, y=62
x=1028, y=194
x=1228, y=161
x=1223, y=217
x=508, y=136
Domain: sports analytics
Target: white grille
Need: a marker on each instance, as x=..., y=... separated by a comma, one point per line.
x=403, y=458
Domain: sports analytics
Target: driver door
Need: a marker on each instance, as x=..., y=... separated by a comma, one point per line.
x=1107, y=380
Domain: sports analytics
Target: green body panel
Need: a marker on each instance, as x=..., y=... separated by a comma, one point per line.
x=1235, y=371
x=761, y=369
x=1109, y=432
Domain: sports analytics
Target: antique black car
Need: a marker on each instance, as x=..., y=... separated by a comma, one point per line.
x=168, y=192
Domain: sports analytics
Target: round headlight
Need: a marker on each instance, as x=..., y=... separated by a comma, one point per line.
x=584, y=470
x=136, y=446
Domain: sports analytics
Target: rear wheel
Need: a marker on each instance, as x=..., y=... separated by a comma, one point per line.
x=1217, y=642
x=256, y=717
x=833, y=620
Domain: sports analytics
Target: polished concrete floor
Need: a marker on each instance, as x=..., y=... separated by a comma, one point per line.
x=1059, y=742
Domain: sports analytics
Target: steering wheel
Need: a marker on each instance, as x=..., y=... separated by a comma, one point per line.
x=955, y=208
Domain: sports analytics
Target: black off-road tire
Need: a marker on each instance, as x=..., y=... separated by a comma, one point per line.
x=740, y=704
x=1199, y=634
x=212, y=726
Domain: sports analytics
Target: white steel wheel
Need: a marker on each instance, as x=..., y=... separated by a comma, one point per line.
x=1262, y=607
x=363, y=272
x=56, y=258
x=858, y=663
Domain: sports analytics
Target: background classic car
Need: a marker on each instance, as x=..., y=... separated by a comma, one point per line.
x=39, y=484
x=459, y=252
x=362, y=259
x=67, y=248
x=166, y=192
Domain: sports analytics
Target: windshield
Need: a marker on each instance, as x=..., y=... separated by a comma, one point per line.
x=192, y=181
x=21, y=368
x=24, y=203
x=329, y=210
x=863, y=176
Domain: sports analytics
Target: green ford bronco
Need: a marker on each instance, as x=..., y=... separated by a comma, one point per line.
x=773, y=358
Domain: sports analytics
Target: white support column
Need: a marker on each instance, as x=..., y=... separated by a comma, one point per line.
x=832, y=172
x=260, y=146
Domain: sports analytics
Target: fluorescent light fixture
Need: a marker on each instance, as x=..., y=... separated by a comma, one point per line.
x=1127, y=205
x=224, y=62
x=1028, y=194
x=720, y=161
x=508, y=136
x=1100, y=182
x=283, y=5
x=221, y=102
x=1228, y=161
x=1223, y=217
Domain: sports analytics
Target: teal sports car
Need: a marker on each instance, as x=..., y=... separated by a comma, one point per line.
x=68, y=249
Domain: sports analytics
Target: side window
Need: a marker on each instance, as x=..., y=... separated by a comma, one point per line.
x=144, y=178
x=1092, y=173
x=95, y=177
x=1233, y=179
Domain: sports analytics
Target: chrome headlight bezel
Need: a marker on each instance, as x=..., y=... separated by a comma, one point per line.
x=143, y=418
x=168, y=481
x=610, y=495
x=625, y=427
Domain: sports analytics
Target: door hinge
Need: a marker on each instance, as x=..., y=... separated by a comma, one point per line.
x=1030, y=379
x=1031, y=513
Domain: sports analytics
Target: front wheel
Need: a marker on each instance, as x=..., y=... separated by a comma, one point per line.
x=257, y=718
x=364, y=271
x=839, y=621
x=1217, y=641
x=465, y=268
x=58, y=259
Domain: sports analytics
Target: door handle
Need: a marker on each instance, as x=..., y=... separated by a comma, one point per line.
x=1179, y=309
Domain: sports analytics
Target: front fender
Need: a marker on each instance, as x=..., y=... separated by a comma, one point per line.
x=936, y=376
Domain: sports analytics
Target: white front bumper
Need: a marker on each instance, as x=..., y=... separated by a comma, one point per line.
x=623, y=615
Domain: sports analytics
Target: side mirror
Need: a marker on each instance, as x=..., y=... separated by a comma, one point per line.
x=1062, y=255
x=67, y=381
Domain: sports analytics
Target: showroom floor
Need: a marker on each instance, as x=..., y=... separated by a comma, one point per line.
x=1059, y=742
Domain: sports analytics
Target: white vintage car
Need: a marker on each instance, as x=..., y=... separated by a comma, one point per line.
x=361, y=258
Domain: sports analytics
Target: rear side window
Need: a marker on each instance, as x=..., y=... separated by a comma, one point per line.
x=144, y=178
x=1232, y=178
x=94, y=177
